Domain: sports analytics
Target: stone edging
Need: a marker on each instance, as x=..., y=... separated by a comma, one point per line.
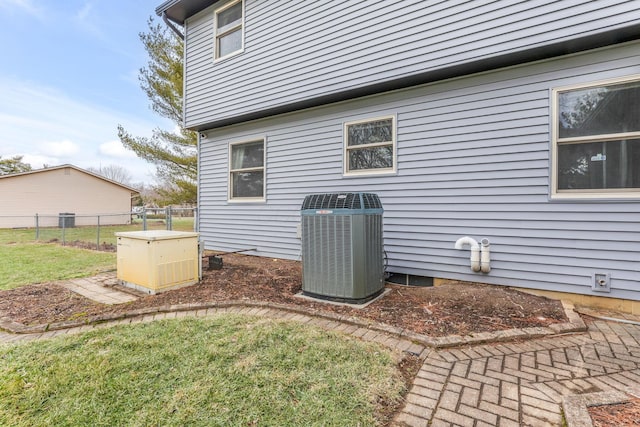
x=576, y=406
x=575, y=324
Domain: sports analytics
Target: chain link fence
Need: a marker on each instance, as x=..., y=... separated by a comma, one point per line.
x=93, y=231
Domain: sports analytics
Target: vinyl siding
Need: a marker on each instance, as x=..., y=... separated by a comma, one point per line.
x=295, y=51
x=473, y=159
x=49, y=192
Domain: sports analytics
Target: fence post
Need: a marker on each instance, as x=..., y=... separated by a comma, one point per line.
x=37, y=228
x=64, y=223
x=144, y=218
x=167, y=216
x=195, y=219
x=98, y=233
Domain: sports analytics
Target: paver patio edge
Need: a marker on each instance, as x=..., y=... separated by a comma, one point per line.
x=575, y=323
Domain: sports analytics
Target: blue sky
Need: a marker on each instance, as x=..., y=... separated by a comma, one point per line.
x=68, y=76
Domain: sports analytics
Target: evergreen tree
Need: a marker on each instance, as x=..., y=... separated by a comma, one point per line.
x=173, y=154
x=13, y=165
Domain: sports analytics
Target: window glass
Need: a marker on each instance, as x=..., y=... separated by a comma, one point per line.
x=247, y=184
x=597, y=143
x=599, y=165
x=246, y=175
x=370, y=145
x=230, y=15
x=229, y=43
x=370, y=132
x=599, y=110
x=229, y=28
x=371, y=158
x=249, y=155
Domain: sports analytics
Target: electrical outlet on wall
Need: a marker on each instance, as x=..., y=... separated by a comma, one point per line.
x=601, y=282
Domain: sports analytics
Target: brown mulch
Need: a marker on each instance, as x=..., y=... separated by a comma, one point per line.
x=619, y=415
x=453, y=308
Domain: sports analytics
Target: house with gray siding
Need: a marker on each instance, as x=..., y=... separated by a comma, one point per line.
x=512, y=121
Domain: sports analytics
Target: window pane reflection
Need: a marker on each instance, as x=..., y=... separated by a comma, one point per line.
x=599, y=165
x=599, y=111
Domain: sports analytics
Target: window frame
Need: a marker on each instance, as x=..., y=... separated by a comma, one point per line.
x=226, y=31
x=346, y=148
x=263, y=168
x=612, y=193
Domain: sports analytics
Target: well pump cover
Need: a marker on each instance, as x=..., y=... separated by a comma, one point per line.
x=342, y=246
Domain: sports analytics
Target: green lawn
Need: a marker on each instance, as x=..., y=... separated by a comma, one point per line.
x=88, y=233
x=27, y=263
x=224, y=371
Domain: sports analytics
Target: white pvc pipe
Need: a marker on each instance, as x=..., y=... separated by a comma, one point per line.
x=485, y=256
x=475, y=251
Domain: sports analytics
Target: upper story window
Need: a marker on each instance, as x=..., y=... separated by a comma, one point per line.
x=229, y=31
x=596, y=143
x=370, y=146
x=246, y=171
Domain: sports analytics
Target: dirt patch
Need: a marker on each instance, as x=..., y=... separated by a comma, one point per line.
x=104, y=246
x=620, y=415
x=408, y=368
x=454, y=308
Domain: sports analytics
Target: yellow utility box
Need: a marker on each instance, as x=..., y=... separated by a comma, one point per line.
x=158, y=260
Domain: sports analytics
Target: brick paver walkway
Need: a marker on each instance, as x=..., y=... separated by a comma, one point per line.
x=522, y=384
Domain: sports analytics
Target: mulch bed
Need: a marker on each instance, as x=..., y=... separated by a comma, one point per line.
x=454, y=308
x=619, y=415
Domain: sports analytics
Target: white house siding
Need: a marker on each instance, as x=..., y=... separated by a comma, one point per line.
x=298, y=50
x=473, y=159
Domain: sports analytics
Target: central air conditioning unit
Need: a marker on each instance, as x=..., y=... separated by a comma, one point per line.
x=342, y=247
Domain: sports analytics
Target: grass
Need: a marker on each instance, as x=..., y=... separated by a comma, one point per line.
x=27, y=263
x=223, y=371
x=88, y=233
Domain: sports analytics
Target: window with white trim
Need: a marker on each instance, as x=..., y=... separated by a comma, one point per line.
x=596, y=144
x=246, y=170
x=229, y=29
x=370, y=146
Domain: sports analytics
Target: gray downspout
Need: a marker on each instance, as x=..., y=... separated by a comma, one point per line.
x=173, y=27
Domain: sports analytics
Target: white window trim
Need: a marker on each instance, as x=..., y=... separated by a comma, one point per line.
x=614, y=193
x=226, y=30
x=345, y=148
x=231, y=199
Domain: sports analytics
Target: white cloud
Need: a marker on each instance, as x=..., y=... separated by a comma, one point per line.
x=86, y=20
x=46, y=126
x=59, y=148
x=27, y=6
x=38, y=161
x=115, y=149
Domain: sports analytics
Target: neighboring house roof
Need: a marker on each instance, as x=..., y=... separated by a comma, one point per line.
x=131, y=189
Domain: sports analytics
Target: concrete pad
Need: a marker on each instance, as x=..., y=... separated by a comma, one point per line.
x=383, y=293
